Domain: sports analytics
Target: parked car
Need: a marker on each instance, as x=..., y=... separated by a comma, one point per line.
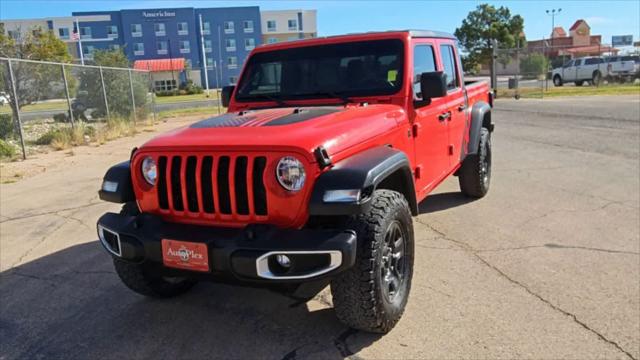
x=624, y=67
x=4, y=99
x=311, y=178
x=579, y=71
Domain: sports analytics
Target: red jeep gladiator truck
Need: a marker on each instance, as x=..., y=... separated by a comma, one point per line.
x=310, y=179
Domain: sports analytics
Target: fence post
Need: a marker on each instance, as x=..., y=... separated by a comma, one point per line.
x=16, y=102
x=153, y=94
x=104, y=95
x=494, y=70
x=66, y=91
x=133, y=99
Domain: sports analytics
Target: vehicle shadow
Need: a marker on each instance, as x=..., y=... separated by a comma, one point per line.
x=71, y=304
x=443, y=201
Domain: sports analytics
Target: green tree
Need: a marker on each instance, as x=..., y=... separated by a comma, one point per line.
x=33, y=81
x=116, y=83
x=487, y=23
x=534, y=65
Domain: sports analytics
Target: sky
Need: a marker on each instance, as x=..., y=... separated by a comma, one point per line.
x=606, y=18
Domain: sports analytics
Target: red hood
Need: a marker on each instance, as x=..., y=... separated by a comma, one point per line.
x=300, y=129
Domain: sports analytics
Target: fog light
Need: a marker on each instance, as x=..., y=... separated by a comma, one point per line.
x=283, y=260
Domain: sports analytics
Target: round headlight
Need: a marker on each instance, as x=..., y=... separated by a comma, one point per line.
x=149, y=170
x=290, y=173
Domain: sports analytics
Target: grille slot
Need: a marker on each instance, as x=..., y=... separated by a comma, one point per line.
x=206, y=180
x=259, y=191
x=208, y=185
x=224, y=197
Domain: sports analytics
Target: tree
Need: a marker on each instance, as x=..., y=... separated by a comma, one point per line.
x=484, y=24
x=534, y=65
x=33, y=81
x=116, y=83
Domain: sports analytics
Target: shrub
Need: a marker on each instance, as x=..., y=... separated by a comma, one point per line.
x=66, y=137
x=533, y=65
x=6, y=126
x=6, y=149
x=62, y=117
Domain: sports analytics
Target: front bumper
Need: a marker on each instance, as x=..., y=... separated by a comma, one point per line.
x=235, y=255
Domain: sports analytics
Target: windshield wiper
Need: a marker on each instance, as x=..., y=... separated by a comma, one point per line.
x=336, y=95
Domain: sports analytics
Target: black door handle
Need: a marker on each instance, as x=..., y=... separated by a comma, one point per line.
x=462, y=108
x=444, y=116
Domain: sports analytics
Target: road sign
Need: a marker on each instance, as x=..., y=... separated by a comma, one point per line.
x=622, y=40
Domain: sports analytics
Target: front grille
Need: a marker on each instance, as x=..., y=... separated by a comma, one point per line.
x=212, y=185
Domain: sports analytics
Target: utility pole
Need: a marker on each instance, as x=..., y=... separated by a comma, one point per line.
x=79, y=41
x=220, y=54
x=204, y=56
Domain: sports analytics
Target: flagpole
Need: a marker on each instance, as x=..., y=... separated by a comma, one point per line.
x=204, y=56
x=79, y=41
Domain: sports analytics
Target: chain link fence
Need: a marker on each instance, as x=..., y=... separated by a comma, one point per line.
x=541, y=69
x=61, y=105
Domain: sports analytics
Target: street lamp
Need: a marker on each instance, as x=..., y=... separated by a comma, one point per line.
x=553, y=13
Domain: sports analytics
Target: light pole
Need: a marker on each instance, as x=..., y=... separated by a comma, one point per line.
x=553, y=13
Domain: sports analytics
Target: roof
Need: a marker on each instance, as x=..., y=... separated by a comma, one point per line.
x=558, y=30
x=592, y=49
x=158, y=65
x=577, y=23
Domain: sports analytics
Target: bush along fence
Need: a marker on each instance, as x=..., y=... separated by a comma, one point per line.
x=60, y=104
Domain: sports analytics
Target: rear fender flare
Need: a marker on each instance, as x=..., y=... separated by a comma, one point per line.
x=480, y=117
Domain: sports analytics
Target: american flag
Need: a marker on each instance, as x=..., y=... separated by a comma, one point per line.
x=75, y=36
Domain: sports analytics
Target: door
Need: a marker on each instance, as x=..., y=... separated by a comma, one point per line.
x=575, y=71
x=457, y=126
x=567, y=70
x=429, y=125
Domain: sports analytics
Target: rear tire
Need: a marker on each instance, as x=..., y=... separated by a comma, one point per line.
x=475, y=174
x=137, y=278
x=557, y=80
x=372, y=295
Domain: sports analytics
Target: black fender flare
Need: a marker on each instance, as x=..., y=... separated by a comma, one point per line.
x=119, y=174
x=480, y=117
x=378, y=167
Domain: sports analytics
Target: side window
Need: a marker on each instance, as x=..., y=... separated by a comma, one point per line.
x=423, y=61
x=449, y=63
x=578, y=62
x=569, y=64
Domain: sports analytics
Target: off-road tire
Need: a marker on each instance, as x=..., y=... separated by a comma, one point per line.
x=137, y=278
x=557, y=80
x=475, y=174
x=359, y=297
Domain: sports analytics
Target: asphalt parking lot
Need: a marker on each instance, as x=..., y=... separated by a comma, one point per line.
x=547, y=266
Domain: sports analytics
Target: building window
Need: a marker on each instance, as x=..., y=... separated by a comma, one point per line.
x=114, y=47
x=271, y=25
x=112, y=31
x=207, y=46
x=293, y=24
x=63, y=33
x=249, y=44
x=187, y=63
x=183, y=28
x=233, y=80
x=272, y=40
x=85, y=32
x=185, y=47
x=210, y=63
x=292, y=38
x=162, y=47
x=165, y=85
x=229, y=27
x=206, y=28
x=232, y=62
x=160, y=29
x=138, y=49
x=248, y=26
x=87, y=51
x=136, y=30
x=230, y=44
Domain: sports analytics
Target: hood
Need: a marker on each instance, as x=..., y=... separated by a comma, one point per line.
x=302, y=128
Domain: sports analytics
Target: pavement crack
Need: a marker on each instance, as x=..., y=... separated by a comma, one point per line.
x=558, y=246
x=52, y=212
x=476, y=254
x=44, y=238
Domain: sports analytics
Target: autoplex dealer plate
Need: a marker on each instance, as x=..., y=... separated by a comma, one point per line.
x=185, y=255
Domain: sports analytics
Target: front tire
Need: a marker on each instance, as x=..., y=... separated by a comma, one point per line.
x=372, y=295
x=557, y=80
x=475, y=174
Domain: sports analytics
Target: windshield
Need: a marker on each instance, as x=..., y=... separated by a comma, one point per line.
x=361, y=68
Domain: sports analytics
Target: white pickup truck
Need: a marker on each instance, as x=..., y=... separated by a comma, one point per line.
x=625, y=67
x=581, y=70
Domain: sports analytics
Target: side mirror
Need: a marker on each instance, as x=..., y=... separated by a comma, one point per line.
x=225, y=96
x=433, y=85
